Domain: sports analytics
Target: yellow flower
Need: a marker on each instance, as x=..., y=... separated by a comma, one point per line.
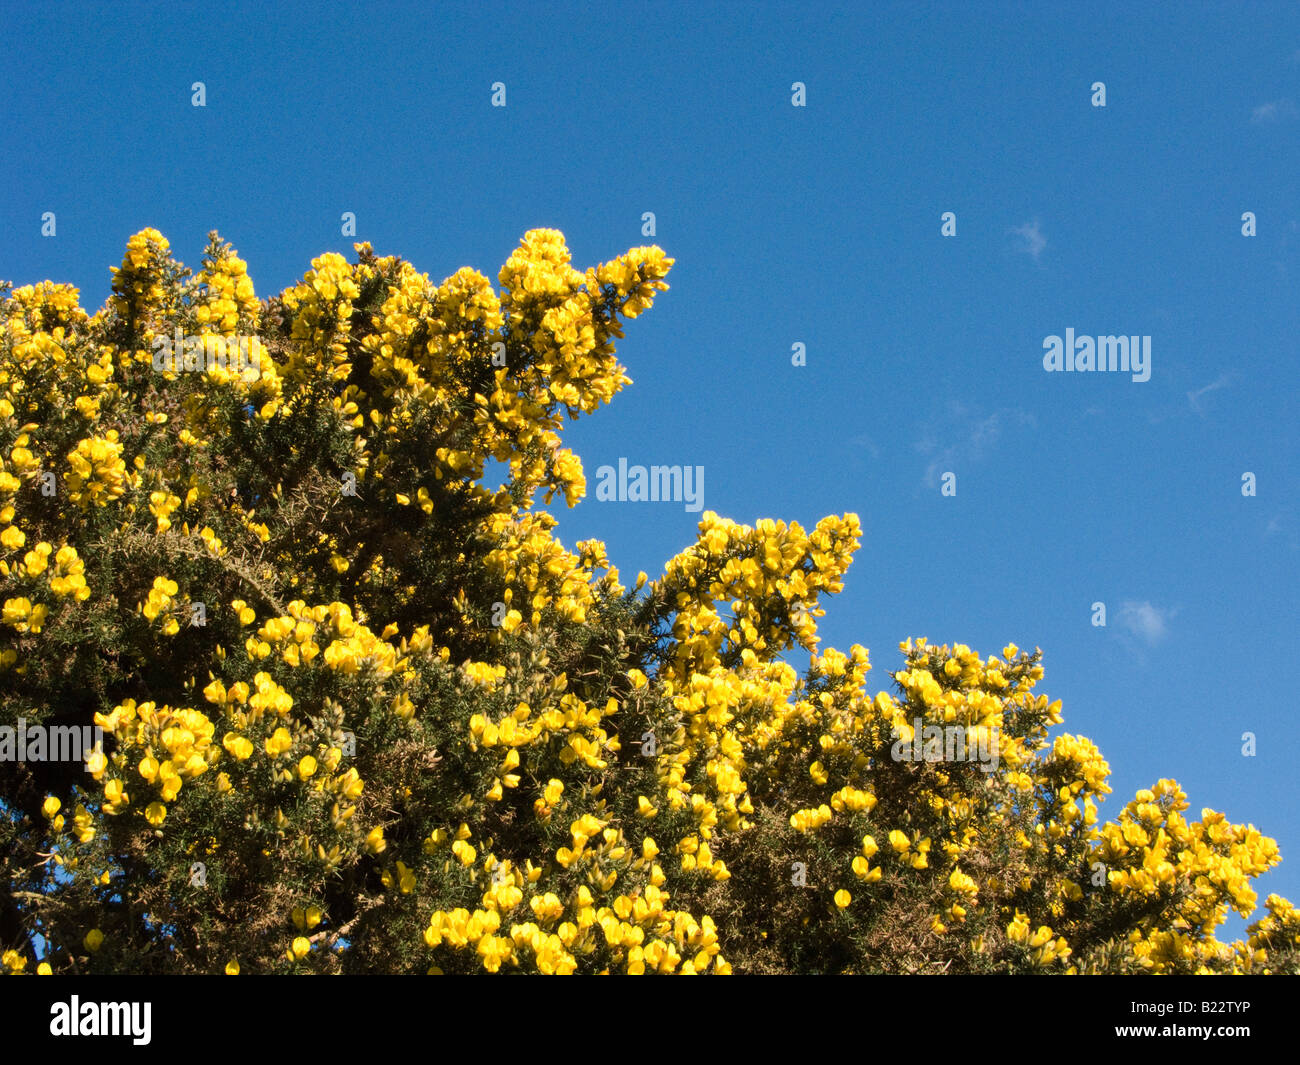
x=306, y=767
x=98, y=474
x=279, y=742
x=22, y=615
x=51, y=806
x=94, y=940
x=241, y=747
x=37, y=560
x=959, y=881
x=842, y=898
x=301, y=947
x=1018, y=929
x=155, y=813
x=232, y=967
x=171, y=781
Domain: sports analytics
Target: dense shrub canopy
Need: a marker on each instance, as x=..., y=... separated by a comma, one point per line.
x=361, y=713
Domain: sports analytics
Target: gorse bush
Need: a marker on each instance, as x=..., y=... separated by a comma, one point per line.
x=361, y=713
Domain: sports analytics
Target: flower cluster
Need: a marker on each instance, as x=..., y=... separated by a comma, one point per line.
x=405, y=728
x=97, y=475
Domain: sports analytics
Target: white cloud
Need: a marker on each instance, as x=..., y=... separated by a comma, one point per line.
x=1146, y=621
x=1273, y=111
x=1032, y=235
x=1194, y=397
x=862, y=440
x=964, y=437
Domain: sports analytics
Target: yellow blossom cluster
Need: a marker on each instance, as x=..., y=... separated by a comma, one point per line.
x=348, y=645
x=24, y=617
x=636, y=933
x=434, y=737
x=545, y=574
x=159, y=601
x=227, y=302
x=97, y=474
x=768, y=575
x=141, y=293
x=1043, y=948
x=322, y=322
x=182, y=736
x=171, y=747
x=1152, y=849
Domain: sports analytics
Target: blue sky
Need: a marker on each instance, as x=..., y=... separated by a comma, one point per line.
x=821, y=225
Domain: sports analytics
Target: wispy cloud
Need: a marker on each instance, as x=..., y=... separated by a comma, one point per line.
x=862, y=440
x=1031, y=234
x=962, y=436
x=1273, y=111
x=1195, y=405
x=1194, y=397
x=1283, y=524
x=1148, y=622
